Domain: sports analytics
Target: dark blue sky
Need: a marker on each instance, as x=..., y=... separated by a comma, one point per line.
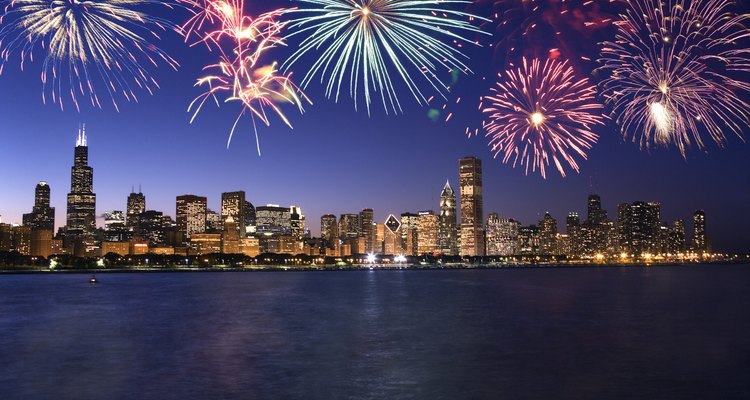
x=335, y=160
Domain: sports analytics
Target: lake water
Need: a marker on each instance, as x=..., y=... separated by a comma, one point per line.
x=588, y=333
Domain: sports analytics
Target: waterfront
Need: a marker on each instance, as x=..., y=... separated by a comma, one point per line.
x=666, y=332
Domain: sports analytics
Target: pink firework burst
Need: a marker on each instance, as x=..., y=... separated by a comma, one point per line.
x=540, y=113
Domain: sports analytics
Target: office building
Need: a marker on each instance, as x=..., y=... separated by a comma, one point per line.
x=447, y=229
x=81, y=215
x=472, y=212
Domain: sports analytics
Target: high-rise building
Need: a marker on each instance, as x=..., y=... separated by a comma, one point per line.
x=528, y=240
x=491, y=234
x=472, y=213
x=349, y=226
x=191, y=215
x=114, y=226
x=700, y=242
x=249, y=226
x=154, y=227
x=409, y=234
x=81, y=216
x=233, y=203
x=548, y=235
x=367, y=229
x=273, y=219
x=297, y=222
x=230, y=237
x=329, y=230
x=135, y=207
x=42, y=216
x=639, y=228
x=678, y=244
x=214, y=223
x=447, y=231
x=392, y=236
x=427, y=232
x=596, y=215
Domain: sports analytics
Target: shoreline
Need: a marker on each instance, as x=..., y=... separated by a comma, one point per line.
x=333, y=268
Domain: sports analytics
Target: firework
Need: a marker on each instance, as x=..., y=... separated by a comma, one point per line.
x=544, y=28
x=671, y=72
x=239, y=75
x=540, y=113
x=367, y=44
x=86, y=45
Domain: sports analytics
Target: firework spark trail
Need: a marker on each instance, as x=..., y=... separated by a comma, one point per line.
x=366, y=43
x=541, y=28
x=671, y=72
x=238, y=75
x=540, y=113
x=92, y=43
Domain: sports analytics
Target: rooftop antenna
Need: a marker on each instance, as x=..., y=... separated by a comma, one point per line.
x=139, y=188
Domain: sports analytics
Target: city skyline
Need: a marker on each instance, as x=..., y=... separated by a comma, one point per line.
x=637, y=229
x=336, y=158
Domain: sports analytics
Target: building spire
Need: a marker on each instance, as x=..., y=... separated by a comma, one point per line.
x=81, y=139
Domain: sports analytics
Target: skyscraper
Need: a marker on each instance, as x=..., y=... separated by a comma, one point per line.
x=273, y=219
x=700, y=243
x=349, y=226
x=42, y=216
x=329, y=231
x=81, y=218
x=548, y=235
x=427, y=233
x=191, y=215
x=447, y=231
x=638, y=228
x=409, y=234
x=135, y=207
x=297, y=222
x=233, y=203
x=596, y=215
x=367, y=228
x=472, y=213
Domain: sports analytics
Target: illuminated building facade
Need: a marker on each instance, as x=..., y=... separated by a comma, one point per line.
x=230, y=238
x=81, y=216
x=700, y=243
x=447, y=230
x=409, y=233
x=191, y=216
x=272, y=219
x=42, y=216
x=367, y=229
x=427, y=233
x=234, y=203
x=297, y=222
x=548, y=235
x=136, y=206
x=329, y=230
x=349, y=226
x=472, y=211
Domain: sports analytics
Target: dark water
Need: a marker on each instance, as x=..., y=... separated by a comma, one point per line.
x=668, y=332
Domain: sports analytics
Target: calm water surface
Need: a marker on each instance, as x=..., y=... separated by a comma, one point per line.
x=656, y=333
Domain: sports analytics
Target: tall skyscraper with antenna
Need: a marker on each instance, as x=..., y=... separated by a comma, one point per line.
x=81, y=216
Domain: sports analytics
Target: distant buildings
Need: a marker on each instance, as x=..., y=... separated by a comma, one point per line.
x=240, y=228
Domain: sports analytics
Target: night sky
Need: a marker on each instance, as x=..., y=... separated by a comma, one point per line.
x=337, y=160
